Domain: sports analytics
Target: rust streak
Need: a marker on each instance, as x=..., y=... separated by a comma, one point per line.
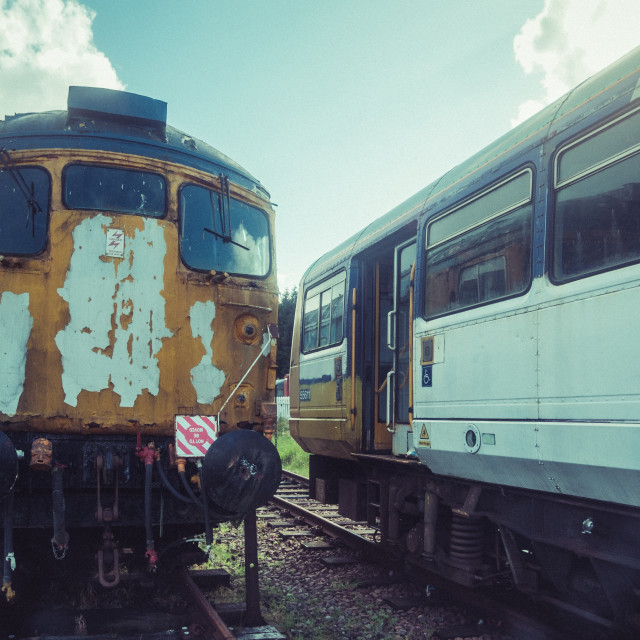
x=126, y=317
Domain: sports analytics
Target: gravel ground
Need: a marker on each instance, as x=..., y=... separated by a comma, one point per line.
x=305, y=599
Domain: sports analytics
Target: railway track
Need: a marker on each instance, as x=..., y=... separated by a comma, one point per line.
x=171, y=605
x=518, y=618
x=183, y=609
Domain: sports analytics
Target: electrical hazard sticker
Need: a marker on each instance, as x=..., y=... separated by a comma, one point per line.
x=115, y=243
x=424, y=440
x=194, y=435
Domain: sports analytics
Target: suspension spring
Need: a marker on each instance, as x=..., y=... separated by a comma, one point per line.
x=467, y=541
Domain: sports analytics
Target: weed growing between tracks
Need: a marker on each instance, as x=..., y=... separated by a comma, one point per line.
x=305, y=600
x=293, y=458
x=298, y=596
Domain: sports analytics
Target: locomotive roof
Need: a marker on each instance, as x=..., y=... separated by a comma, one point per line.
x=120, y=121
x=617, y=85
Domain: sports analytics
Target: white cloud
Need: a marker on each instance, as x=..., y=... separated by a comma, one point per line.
x=570, y=40
x=45, y=46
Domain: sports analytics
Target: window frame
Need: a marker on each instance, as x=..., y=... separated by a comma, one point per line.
x=327, y=285
x=46, y=211
x=560, y=184
x=116, y=167
x=504, y=211
x=217, y=191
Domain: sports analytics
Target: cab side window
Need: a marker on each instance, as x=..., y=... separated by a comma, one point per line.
x=24, y=204
x=323, y=315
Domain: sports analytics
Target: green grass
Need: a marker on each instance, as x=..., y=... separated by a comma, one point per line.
x=293, y=458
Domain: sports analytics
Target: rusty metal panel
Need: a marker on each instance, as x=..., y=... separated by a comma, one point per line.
x=108, y=330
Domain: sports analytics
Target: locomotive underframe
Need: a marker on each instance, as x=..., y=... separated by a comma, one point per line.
x=580, y=554
x=87, y=491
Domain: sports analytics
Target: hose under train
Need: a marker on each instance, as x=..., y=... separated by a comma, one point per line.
x=60, y=540
x=9, y=563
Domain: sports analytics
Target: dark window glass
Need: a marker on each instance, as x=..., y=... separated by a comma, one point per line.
x=23, y=226
x=229, y=236
x=505, y=197
x=323, y=316
x=597, y=213
x=113, y=189
x=601, y=148
x=487, y=263
x=310, y=327
x=597, y=222
x=337, y=313
x=481, y=251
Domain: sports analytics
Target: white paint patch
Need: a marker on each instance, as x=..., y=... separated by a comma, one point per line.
x=15, y=328
x=207, y=380
x=117, y=313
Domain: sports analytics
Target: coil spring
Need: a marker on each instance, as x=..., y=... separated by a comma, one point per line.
x=467, y=540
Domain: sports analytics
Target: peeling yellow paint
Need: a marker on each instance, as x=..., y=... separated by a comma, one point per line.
x=44, y=404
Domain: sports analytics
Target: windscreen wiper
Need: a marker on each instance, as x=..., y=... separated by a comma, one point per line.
x=28, y=192
x=224, y=213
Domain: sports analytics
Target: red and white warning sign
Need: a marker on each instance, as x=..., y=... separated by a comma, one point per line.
x=194, y=435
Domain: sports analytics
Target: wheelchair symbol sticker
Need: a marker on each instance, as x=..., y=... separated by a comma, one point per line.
x=427, y=375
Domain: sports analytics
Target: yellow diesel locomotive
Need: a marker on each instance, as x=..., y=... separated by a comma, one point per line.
x=138, y=324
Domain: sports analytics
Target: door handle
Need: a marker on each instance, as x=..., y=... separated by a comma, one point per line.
x=391, y=330
x=390, y=408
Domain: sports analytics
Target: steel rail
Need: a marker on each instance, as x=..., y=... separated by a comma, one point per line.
x=351, y=538
x=418, y=572
x=219, y=630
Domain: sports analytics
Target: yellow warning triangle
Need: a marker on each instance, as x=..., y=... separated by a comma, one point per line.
x=423, y=434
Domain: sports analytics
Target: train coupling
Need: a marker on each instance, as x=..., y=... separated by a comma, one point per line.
x=108, y=561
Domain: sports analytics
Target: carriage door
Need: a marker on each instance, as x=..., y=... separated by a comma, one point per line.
x=393, y=320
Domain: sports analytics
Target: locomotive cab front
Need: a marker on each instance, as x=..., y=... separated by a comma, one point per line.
x=138, y=318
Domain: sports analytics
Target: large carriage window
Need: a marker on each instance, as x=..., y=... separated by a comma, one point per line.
x=481, y=251
x=597, y=213
x=23, y=210
x=323, y=315
x=113, y=189
x=219, y=233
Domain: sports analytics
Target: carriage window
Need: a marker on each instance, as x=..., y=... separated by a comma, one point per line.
x=23, y=212
x=219, y=233
x=619, y=139
x=323, y=316
x=114, y=189
x=481, y=251
x=597, y=214
x=337, y=312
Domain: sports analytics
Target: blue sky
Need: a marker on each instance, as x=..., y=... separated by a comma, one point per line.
x=342, y=109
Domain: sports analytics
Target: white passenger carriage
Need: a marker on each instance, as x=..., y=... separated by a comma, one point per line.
x=466, y=370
